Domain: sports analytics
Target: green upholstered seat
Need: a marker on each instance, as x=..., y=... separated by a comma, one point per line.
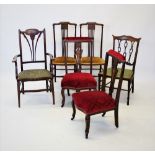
x=95, y=61
x=34, y=74
x=127, y=73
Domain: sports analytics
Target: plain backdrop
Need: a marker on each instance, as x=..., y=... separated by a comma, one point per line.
x=135, y=20
x=40, y=126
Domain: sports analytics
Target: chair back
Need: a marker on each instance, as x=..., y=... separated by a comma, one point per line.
x=88, y=29
x=118, y=60
x=32, y=47
x=62, y=30
x=128, y=46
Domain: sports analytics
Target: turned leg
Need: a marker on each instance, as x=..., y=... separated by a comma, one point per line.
x=87, y=120
x=68, y=92
x=63, y=97
x=47, y=85
x=99, y=81
x=116, y=118
x=74, y=110
x=55, y=73
x=18, y=92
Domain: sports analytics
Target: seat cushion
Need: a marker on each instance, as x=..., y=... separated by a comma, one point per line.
x=95, y=61
x=34, y=74
x=91, y=102
x=61, y=60
x=78, y=80
x=127, y=73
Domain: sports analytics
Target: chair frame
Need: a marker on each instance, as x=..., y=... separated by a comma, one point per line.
x=64, y=32
x=130, y=81
x=87, y=116
x=91, y=31
x=32, y=33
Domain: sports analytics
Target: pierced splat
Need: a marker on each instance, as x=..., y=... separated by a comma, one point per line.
x=127, y=46
x=32, y=36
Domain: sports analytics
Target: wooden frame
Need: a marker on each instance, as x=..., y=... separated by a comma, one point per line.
x=31, y=35
x=125, y=41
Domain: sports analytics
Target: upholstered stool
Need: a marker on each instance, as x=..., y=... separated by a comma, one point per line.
x=77, y=81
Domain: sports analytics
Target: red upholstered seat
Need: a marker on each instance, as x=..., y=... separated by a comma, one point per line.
x=116, y=55
x=78, y=81
x=91, y=102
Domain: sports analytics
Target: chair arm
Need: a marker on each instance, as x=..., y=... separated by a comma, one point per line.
x=15, y=58
x=51, y=59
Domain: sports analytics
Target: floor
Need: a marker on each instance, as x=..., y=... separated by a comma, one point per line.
x=39, y=125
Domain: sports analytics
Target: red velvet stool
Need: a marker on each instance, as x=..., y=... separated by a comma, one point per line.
x=77, y=81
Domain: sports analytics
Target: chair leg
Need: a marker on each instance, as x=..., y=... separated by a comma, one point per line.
x=18, y=92
x=99, y=81
x=55, y=73
x=63, y=97
x=133, y=85
x=87, y=120
x=103, y=114
x=23, y=87
x=74, y=110
x=47, y=85
x=68, y=92
x=128, y=96
x=52, y=90
x=116, y=118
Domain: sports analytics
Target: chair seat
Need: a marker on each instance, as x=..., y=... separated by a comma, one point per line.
x=34, y=74
x=78, y=81
x=95, y=61
x=127, y=73
x=61, y=61
x=91, y=102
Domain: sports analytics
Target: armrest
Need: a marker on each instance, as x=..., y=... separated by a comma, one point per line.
x=50, y=55
x=15, y=58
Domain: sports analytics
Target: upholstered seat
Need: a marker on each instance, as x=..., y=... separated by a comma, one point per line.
x=95, y=61
x=78, y=81
x=127, y=73
x=91, y=102
x=34, y=74
x=61, y=60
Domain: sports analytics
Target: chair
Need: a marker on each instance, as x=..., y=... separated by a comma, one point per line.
x=93, y=30
x=77, y=81
x=96, y=102
x=31, y=40
x=67, y=29
x=128, y=46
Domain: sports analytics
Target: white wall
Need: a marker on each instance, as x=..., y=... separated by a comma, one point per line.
x=136, y=20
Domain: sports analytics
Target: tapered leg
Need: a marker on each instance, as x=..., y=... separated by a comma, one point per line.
x=116, y=118
x=68, y=92
x=74, y=110
x=63, y=97
x=128, y=97
x=133, y=85
x=52, y=90
x=18, y=92
x=23, y=87
x=99, y=80
x=103, y=114
x=47, y=85
x=87, y=120
x=55, y=73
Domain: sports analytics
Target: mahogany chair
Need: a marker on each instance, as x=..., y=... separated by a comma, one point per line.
x=96, y=102
x=128, y=46
x=93, y=30
x=77, y=81
x=33, y=62
x=62, y=30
